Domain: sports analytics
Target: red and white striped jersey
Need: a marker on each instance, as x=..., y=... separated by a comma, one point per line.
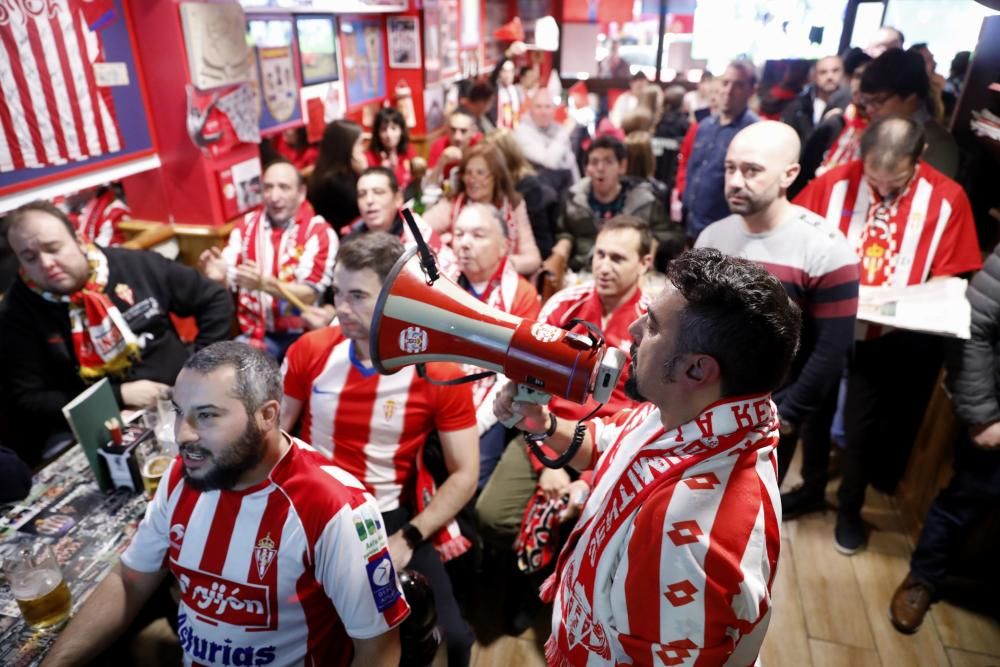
x=301, y=252
x=681, y=575
x=51, y=109
x=283, y=572
x=927, y=231
x=98, y=219
x=582, y=302
x=371, y=425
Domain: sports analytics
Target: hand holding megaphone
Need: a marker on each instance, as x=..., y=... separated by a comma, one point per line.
x=529, y=416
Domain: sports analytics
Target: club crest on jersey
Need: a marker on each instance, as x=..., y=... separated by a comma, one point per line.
x=263, y=554
x=124, y=292
x=389, y=409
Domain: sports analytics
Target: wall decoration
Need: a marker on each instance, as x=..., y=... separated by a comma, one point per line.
x=241, y=187
x=322, y=104
x=404, y=42
x=449, y=38
x=470, y=23
x=364, y=65
x=63, y=124
x=217, y=51
x=433, y=107
x=432, y=42
x=279, y=87
x=317, y=48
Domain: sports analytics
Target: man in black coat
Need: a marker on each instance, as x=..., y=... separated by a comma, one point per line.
x=77, y=313
x=825, y=93
x=974, y=381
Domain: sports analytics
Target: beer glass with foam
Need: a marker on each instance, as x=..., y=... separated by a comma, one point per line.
x=38, y=586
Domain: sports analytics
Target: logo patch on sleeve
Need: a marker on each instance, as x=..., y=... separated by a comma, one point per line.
x=382, y=579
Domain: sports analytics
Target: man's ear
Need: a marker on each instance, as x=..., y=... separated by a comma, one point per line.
x=701, y=370
x=789, y=175
x=269, y=416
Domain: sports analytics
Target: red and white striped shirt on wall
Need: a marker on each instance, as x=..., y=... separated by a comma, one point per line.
x=673, y=557
x=283, y=572
x=371, y=425
x=927, y=231
x=52, y=110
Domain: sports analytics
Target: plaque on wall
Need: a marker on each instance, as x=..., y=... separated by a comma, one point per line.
x=215, y=38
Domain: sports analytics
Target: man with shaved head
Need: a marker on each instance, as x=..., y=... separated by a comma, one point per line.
x=545, y=142
x=908, y=223
x=813, y=261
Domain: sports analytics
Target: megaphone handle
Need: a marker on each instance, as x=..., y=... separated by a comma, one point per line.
x=526, y=394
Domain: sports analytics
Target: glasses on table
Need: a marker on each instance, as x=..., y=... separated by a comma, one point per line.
x=37, y=582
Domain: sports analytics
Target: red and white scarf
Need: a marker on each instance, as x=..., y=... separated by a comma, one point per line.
x=847, y=146
x=102, y=340
x=641, y=459
x=449, y=540
x=257, y=310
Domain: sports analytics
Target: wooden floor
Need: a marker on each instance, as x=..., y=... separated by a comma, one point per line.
x=832, y=610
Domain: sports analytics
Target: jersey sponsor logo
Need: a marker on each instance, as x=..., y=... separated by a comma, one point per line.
x=124, y=292
x=206, y=651
x=382, y=580
x=223, y=601
x=413, y=340
x=263, y=554
x=545, y=333
x=370, y=533
x=177, y=535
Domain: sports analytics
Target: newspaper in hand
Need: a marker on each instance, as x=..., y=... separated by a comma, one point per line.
x=936, y=307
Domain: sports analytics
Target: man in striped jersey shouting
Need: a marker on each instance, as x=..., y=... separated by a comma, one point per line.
x=674, y=553
x=280, y=556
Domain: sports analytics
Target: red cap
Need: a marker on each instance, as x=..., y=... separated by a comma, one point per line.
x=510, y=32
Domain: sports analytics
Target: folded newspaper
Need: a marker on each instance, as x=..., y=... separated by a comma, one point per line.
x=936, y=307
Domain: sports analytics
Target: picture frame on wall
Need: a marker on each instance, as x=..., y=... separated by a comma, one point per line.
x=432, y=42
x=449, y=38
x=470, y=23
x=404, y=42
x=362, y=41
x=317, y=48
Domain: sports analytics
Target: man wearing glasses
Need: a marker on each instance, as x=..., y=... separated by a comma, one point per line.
x=908, y=224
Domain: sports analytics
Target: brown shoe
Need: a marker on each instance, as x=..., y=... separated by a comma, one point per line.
x=909, y=605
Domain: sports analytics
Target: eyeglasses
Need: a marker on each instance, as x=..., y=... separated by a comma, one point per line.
x=874, y=102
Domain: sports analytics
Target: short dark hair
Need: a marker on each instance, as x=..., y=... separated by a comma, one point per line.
x=637, y=76
x=258, y=378
x=891, y=139
x=382, y=171
x=385, y=116
x=899, y=72
x=480, y=92
x=17, y=216
x=610, y=143
x=739, y=314
x=631, y=222
x=747, y=67
x=377, y=251
x=283, y=160
x=854, y=58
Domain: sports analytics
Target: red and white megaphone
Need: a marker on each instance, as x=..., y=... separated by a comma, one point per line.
x=421, y=317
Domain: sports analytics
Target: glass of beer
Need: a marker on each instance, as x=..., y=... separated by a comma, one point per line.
x=152, y=470
x=38, y=586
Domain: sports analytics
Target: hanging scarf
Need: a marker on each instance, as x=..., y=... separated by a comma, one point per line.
x=642, y=459
x=448, y=540
x=535, y=545
x=257, y=310
x=102, y=340
x=847, y=146
x=879, y=244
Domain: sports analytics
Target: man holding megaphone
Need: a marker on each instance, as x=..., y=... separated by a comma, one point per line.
x=685, y=505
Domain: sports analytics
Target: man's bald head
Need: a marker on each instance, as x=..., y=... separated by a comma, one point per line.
x=543, y=110
x=891, y=148
x=762, y=161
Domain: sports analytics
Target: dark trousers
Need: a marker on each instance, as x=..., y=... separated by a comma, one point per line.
x=491, y=446
x=889, y=382
x=815, y=435
x=974, y=487
x=457, y=633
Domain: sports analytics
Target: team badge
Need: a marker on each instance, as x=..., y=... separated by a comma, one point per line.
x=263, y=554
x=124, y=292
x=280, y=89
x=388, y=409
x=413, y=340
x=545, y=333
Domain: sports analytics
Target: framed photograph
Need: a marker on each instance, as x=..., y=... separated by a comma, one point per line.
x=364, y=63
x=449, y=38
x=317, y=48
x=432, y=42
x=404, y=42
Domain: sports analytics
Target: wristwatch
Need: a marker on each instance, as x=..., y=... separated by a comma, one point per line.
x=545, y=435
x=412, y=536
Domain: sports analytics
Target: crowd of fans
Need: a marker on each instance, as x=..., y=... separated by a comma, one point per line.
x=850, y=186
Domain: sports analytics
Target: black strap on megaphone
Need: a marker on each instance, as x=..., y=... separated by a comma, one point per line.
x=597, y=340
x=475, y=377
x=426, y=257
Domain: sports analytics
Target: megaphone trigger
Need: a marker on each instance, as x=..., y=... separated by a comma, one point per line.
x=525, y=394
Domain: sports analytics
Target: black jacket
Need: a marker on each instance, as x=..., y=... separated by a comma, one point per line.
x=974, y=364
x=799, y=112
x=40, y=370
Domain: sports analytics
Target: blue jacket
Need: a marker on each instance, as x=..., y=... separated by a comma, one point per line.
x=705, y=192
